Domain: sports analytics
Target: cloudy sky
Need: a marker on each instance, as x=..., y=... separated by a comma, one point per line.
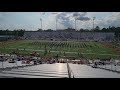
x=31, y=20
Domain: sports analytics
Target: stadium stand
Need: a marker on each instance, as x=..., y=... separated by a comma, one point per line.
x=66, y=35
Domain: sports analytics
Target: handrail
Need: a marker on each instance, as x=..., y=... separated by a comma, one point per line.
x=70, y=73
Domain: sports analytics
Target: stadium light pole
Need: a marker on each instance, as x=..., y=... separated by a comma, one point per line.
x=42, y=13
x=56, y=23
x=41, y=23
x=56, y=19
x=75, y=23
x=93, y=22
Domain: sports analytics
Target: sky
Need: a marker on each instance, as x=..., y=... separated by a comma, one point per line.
x=31, y=20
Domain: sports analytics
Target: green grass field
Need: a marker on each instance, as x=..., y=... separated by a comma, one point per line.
x=90, y=50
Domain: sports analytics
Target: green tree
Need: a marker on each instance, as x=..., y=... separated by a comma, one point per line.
x=97, y=28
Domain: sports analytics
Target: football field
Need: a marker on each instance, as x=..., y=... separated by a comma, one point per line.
x=71, y=49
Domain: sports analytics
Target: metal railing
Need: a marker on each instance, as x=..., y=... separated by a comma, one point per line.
x=70, y=73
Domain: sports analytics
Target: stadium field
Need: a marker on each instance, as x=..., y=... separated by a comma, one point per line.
x=46, y=48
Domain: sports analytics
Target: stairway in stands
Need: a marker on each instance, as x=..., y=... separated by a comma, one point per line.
x=57, y=70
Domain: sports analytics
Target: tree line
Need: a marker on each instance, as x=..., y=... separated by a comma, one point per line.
x=7, y=32
x=96, y=29
x=20, y=32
